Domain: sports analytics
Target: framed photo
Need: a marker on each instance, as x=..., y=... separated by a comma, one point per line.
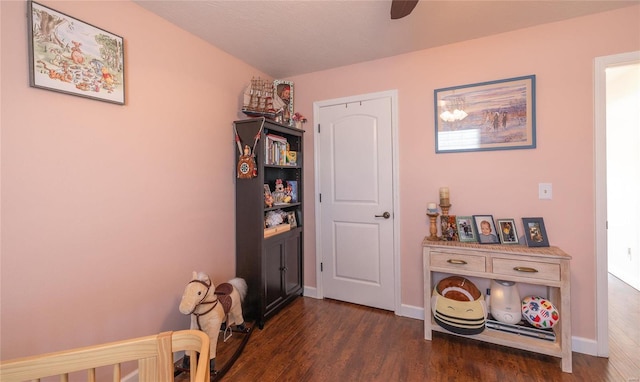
x=485, y=229
x=507, y=231
x=70, y=56
x=291, y=218
x=449, y=227
x=535, y=234
x=283, y=99
x=466, y=229
x=495, y=115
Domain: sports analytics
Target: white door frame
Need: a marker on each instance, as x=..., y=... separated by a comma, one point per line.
x=393, y=94
x=602, y=288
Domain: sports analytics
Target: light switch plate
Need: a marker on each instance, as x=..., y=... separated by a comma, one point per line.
x=544, y=191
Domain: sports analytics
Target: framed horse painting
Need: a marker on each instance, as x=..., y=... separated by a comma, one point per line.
x=494, y=115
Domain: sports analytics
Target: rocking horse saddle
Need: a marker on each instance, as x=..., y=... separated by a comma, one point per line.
x=223, y=291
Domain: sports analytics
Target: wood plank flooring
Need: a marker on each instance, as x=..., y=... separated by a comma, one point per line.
x=327, y=340
x=624, y=329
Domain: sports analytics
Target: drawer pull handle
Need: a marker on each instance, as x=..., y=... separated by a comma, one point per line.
x=525, y=269
x=456, y=262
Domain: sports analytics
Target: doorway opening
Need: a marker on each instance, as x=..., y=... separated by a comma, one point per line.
x=612, y=168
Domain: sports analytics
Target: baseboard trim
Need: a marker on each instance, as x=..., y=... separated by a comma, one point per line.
x=584, y=346
x=310, y=292
x=411, y=312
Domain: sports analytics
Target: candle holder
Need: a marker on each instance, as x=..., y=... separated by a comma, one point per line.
x=445, y=208
x=433, y=228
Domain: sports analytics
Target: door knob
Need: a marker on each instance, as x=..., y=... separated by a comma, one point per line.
x=385, y=215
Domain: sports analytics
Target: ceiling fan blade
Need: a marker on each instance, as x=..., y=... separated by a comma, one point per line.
x=402, y=8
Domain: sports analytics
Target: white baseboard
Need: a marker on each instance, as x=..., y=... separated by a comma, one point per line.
x=310, y=292
x=411, y=311
x=584, y=346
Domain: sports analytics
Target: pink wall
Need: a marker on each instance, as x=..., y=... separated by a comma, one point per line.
x=502, y=183
x=107, y=209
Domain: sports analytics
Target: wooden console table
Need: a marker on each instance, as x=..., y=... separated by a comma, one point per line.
x=546, y=266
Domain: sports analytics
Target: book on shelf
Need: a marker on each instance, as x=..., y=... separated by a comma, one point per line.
x=276, y=148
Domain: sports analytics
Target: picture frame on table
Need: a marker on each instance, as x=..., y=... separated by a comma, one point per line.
x=283, y=99
x=449, y=228
x=493, y=115
x=486, y=229
x=507, y=231
x=70, y=56
x=535, y=233
x=466, y=229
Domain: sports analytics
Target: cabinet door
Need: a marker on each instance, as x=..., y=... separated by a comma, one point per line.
x=293, y=271
x=274, y=251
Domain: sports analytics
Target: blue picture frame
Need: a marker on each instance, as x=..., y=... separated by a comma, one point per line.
x=494, y=115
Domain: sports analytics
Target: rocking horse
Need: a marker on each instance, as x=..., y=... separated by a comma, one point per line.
x=210, y=307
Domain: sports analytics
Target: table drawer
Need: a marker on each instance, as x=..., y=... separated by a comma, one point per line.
x=456, y=261
x=529, y=269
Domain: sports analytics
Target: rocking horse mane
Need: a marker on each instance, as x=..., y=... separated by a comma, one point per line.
x=202, y=277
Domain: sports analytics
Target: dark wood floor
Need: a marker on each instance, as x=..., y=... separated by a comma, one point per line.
x=326, y=340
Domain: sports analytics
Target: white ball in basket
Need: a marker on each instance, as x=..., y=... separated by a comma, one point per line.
x=539, y=312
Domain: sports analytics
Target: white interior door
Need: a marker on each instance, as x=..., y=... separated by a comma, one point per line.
x=356, y=209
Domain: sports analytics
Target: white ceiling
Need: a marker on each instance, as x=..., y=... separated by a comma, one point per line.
x=284, y=38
